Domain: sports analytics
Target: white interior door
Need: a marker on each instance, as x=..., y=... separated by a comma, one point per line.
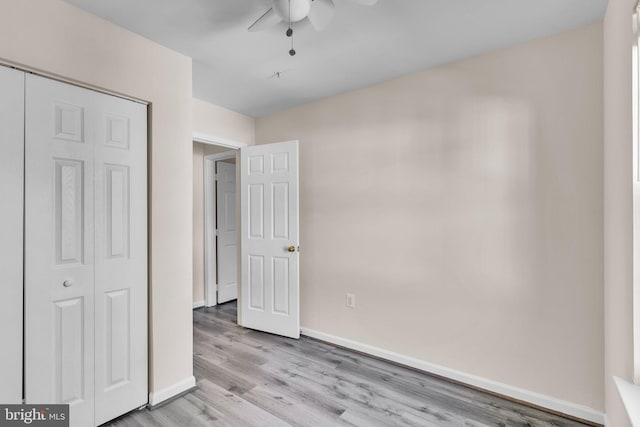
x=227, y=232
x=59, y=261
x=11, y=211
x=210, y=245
x=269, y=298
x=120, y=138
x=85, y=246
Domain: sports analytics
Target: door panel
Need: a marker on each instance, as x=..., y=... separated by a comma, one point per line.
x=11, y=212
x=227, y=232
x=269, y=215
x=68, y=355
x=120, y=137
x=86, y=251
x=59, y=269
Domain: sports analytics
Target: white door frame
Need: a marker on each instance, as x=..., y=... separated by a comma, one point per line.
x=216, y=140
x=210, y=255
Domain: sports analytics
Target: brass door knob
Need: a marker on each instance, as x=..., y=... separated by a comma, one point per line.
x=291, y=249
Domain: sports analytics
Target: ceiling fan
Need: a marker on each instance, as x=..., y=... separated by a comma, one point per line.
x=318, y=12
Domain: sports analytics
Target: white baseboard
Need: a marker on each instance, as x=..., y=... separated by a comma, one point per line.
x=557, y=405
x=171, y=391
x=198, y=304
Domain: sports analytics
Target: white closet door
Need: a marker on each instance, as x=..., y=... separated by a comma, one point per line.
x=86, y=251
x=121, y=256
x=11, y=211
x=227, y=233
x=59, y=261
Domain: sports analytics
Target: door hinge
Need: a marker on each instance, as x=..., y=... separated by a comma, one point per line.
x=217, y=232
x=216, y=177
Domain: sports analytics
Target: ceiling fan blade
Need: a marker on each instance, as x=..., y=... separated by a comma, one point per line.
x=365, y=2
x=321, y=13
x=268, y=19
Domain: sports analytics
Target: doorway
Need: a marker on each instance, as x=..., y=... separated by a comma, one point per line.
x=207, y=152
x=258, y=222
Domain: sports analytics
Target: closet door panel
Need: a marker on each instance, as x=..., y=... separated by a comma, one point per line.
x=11, y=225
x=86, y=257
x=121, y=257
x=59, y=240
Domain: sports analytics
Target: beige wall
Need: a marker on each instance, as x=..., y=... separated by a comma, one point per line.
x=217, y=121
x=618, y=191
x=199, y=151
x=59, y=39
x=463, y=207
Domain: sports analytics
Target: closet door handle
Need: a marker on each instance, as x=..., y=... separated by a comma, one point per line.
x=67, y=283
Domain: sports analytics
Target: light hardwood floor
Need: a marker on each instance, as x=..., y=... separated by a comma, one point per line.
x=249, y=378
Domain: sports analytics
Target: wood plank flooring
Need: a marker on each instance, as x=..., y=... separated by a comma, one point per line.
x=249, y=378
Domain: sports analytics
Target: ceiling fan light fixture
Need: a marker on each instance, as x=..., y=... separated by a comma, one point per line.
x=299, y=9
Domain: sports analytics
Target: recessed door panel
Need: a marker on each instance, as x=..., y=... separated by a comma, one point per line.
x=256, y=282
x=69, y=350
x=117, y=211
x=256, y=209
x=69, y=122
x=280, y=214
x=281, y=285
x=117, y=128
x=256, y=165
x=69, y=212
x=280, y=162
x=117, y=337
x=229, y=210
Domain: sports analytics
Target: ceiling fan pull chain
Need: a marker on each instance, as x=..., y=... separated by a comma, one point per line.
x=292, y=52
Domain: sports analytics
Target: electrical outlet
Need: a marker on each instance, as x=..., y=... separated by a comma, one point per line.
x=351, y=301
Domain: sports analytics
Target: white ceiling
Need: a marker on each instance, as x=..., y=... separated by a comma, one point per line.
x=362, y=46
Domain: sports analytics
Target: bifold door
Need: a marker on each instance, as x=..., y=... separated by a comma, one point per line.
x=85, y=251
x=11, y=211
x=269, y=224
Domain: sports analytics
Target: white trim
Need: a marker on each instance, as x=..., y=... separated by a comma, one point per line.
x=630, y=394
x=216, y=140
x=534, y=398
x=231, y=154
x=198, y=304
x=172, y=391
x=59, y=78
x=636, y=201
